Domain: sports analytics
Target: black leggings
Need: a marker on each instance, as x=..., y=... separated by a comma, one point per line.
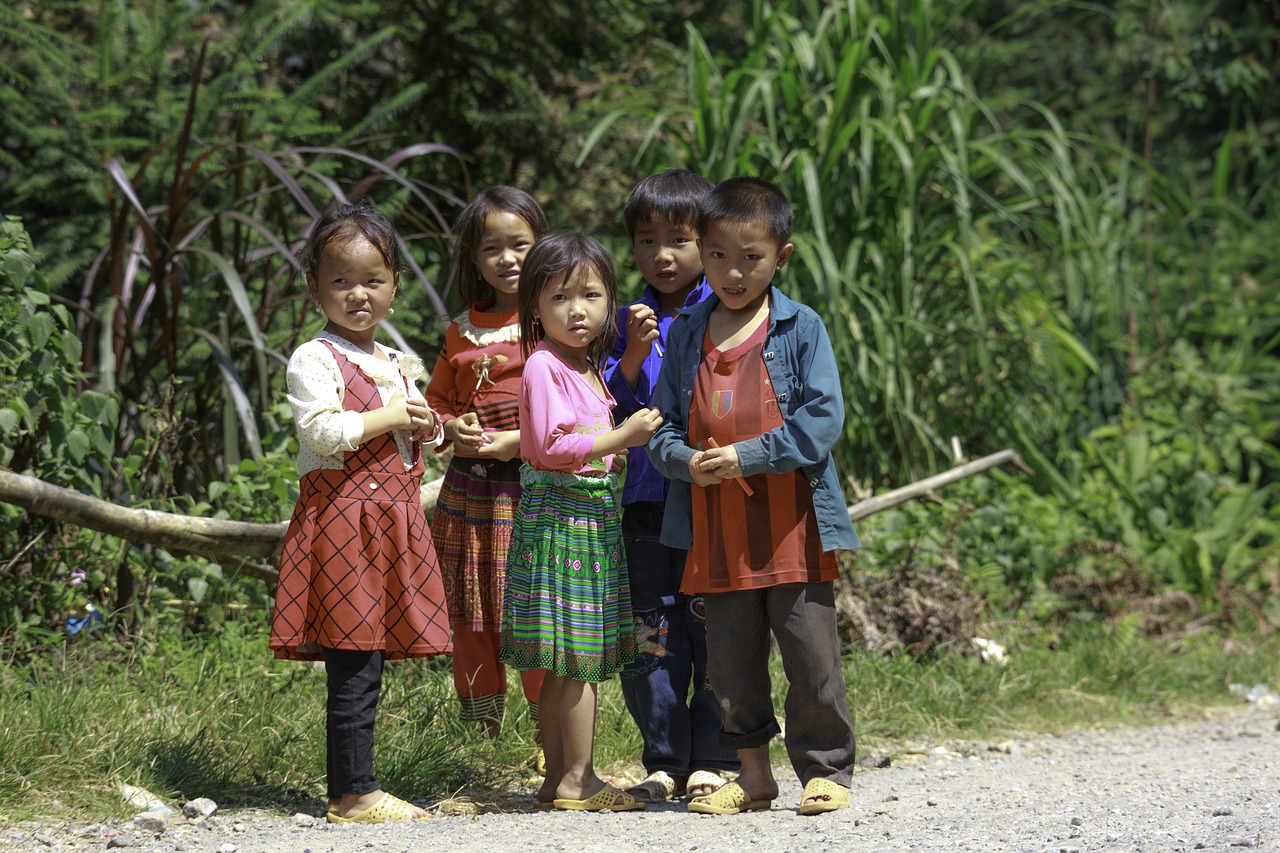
x=355, y=680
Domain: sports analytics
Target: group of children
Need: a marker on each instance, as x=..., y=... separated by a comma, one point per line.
x=714, y=400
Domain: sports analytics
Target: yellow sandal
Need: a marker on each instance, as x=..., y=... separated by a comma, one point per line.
x=388, y=808
x=823, y=795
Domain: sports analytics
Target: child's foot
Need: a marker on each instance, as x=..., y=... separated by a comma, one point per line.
x=732, y=799
x=608, y=798
x=703, y=783
x=374, y=807
x=657, y=787
x=823, y=795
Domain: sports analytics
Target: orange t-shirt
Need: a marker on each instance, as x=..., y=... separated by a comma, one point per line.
x=743, y=541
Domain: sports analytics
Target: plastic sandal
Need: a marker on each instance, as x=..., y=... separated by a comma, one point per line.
x=823, y=795
x=657, y=787
x=608, y=799
x=730, y=799
x=703, y=779
x=388, y=808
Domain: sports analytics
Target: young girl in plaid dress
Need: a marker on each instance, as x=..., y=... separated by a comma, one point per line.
x=358, y=577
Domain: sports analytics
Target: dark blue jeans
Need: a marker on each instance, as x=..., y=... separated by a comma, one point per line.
x=666, y=688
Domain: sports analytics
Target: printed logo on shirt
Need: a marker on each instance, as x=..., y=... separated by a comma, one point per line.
x=721, y=403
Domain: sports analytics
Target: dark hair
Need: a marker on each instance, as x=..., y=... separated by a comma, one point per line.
x=464, y=275
x=744, y=201
x=346, y=222
x=554, y=259
x=672, y=196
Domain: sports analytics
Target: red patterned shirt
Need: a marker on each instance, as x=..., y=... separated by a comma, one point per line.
x=743, y=541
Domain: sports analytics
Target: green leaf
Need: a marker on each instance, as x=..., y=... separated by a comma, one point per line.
x=78, y=444
x=197, y=587
x=40, y=327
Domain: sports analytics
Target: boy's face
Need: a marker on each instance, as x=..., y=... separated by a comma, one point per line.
x=667, y=254
x=739, y=259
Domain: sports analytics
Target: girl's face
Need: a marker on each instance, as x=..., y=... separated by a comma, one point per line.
x=354, y=287
x=573, y=312
x=504, y=241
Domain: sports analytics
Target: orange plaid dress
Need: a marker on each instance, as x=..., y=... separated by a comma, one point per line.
x=358, y=570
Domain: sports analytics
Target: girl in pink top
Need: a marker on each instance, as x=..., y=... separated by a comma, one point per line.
x=567, y=607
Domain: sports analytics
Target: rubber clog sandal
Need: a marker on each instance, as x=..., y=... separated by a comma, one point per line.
x=657, y=787
x=388, y=808
x=703, y=779
x=730, y=799
x=823, y=795
x=607, y=799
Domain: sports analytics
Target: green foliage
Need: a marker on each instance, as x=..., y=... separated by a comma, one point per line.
x=950, y=255
x=1179, y=493
x=55, y=428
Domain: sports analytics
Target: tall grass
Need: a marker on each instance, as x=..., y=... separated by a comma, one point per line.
x=967, y=271
x=217, y=717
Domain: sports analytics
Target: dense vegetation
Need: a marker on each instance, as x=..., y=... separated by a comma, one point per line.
x=1049, y=226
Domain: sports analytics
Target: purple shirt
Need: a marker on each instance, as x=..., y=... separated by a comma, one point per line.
x=643, y=482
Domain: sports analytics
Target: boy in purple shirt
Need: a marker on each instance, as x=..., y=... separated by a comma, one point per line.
x=681, y=732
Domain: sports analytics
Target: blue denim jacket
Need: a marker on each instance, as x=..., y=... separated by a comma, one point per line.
x=802, y=369
x=643, y=483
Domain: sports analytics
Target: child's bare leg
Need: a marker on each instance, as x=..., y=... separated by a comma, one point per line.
x=757, y=773
x=578, y=735
x=550, y=712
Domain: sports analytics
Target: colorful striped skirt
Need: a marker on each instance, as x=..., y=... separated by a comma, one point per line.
x=472, y=531
x=567, y=606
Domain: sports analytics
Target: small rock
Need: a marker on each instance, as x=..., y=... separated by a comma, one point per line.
x=301, y=819
x=1076, y=821
x=1222, y=812
x=228, y=848
x=43, y=837
x=1241, y=841
x=239, y=827
x=930, y=802
x=200, y=807
x=120, y=841
x=874, y=761
x=153, y=822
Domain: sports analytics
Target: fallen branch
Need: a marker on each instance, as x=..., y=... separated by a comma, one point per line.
x=888, y=500
x=210, y=537
x=217, y=538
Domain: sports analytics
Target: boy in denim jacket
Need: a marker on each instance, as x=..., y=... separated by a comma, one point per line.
x=751, y=402
x=666, y=688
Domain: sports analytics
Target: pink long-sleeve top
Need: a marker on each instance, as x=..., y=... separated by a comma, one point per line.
x=560, y=415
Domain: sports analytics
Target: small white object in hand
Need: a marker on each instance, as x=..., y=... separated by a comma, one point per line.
x=411, y=367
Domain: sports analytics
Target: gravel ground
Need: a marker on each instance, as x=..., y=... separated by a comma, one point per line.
x=1212, y=784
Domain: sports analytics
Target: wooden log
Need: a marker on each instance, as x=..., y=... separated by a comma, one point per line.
x=218, y=538
x=210, y=537
x=920, y=488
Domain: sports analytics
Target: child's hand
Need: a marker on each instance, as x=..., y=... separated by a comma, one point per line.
x=465, y=433
x=503, y=446
x=721, y=462
x=641, y=426
x=619, y=461
x=421, y=419
x=642, y=328
x=700, y=477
